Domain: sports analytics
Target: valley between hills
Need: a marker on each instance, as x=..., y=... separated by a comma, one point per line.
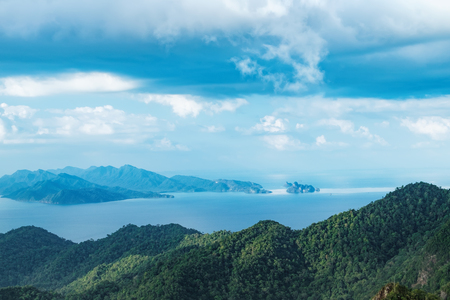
x=397, y=247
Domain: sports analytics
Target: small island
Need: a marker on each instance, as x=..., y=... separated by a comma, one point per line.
x=296, y=188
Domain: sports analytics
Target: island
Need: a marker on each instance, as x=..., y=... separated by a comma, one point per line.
x=103, y=184
x=296, y=188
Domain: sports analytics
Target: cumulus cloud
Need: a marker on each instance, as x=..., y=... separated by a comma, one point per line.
x=283, y=142
x=246, y=66
x=347, y=127
x=28, y=86
x=212, y=129
x=94, y=121
x=249, y=67
x=225, y=105
x=367, y=22
x=298, y=34
x=20, y=111
x=384, y=124
x=166, y=145
x=318, y=105
x=435, y=127
x=182, y=105
x=270, y=124
x=320, y=140
x=188, y=105
x=99, y=124
x=2, y=130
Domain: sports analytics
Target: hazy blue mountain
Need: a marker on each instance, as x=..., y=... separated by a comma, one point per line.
x=133, y=178
x=21, y=179
x=243, y=186
x=69, y=189
x=100, y=184
x=296, y=188
x=127, y=176
x=80, y=196
x=68, y=170
x=220, y=185
x=171, y=185
x=202, y=184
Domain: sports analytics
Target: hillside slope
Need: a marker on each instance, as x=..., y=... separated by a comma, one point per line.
x=403, y=237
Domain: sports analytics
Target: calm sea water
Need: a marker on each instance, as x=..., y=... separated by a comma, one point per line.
x=206, y=212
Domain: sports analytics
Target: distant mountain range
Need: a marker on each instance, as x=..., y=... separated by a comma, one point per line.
x=101, y=184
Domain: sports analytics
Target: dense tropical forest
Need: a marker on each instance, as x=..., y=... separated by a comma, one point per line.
x=395, y=248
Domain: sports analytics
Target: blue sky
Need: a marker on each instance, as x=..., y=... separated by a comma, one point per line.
x=338, y=92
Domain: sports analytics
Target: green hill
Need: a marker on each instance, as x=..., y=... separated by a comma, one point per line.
x=24, y=250
x=31, y=255
x=27, y=293
x=402, y=238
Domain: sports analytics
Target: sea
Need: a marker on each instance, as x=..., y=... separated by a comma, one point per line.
x=206, y=212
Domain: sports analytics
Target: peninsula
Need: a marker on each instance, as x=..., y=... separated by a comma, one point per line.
x=102, y=184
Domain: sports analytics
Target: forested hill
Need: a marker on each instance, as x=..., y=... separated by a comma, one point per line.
x=403, y=237
x=31, y=255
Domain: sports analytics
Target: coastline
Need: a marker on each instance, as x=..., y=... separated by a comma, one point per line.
x=341, y=191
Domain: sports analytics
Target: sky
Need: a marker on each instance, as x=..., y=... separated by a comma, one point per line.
x=336, y=93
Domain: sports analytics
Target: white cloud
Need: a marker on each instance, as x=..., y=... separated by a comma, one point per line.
x=424, y=145
x=102, y=120
x=283, y=142
x=424, y=52
x=166, y=145
x=336, y=107
x=209, y=39
x=351, y=19
x=299, y=126
x=246, y=66
x=320, y=140
x=24, y=141
x=225, y=105
x=21, y=111
x=295, y=33
x=2, y=130
x=435, y=127
x=270, y=124
x=384, y=124
x=92, y=121
x=347, y=127
x=249, y=67
x=188, y=105
x=213, y=129
x=27, y=86
x=182, y=105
